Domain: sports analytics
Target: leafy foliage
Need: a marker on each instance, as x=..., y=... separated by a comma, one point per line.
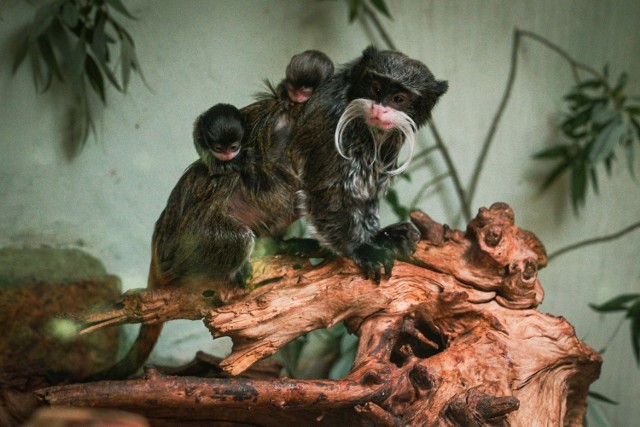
x=630, y=304
x=73, y=41
x=601, y=119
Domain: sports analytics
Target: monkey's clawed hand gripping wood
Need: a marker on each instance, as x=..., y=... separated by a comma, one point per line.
x=452, y=338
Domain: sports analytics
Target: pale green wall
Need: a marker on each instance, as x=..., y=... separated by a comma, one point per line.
x=197, y=53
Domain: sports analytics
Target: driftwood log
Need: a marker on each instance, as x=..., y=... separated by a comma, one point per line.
x=452, y=338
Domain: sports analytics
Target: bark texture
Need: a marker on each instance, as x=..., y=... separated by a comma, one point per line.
x=452, y=338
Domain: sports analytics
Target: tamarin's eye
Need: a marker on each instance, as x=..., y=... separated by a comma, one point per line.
x=399, y=98
x=375, y=88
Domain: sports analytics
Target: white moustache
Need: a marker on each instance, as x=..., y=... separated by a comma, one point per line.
x=359, y=108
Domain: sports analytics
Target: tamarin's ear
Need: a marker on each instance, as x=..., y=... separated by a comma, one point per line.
x=370, y=52
x=439, y=87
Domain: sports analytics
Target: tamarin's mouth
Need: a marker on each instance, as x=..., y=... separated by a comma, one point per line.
x=226, y=155
x=380, y=123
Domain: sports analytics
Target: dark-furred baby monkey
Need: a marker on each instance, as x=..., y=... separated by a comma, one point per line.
x=346, y=146
x=217, y=137
x=304, y=73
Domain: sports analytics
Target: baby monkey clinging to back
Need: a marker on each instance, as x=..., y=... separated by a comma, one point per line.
x=305, y=72
x=217, y=136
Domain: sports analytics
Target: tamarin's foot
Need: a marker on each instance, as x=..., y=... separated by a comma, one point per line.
x=371, y=257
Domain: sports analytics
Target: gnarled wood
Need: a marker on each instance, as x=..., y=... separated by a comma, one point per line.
x=452, y=338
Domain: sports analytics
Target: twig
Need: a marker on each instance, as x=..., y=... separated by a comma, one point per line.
x=415, y=162
x=496, y=119
x=369, y=13
x=466, y=210
x=595, y=240
x=575, y=65
x=424, y=188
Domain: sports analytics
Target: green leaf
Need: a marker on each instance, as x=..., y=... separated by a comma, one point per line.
x=601, y=398
x=49, y=57
x=355, y=7
x=78, y=124
x=634, y=310
x=135, y=64
x=42, y=19
x=20, y=55
x=36, y=66
x=77, y=59
x=574, y=122
x=634, y=110
x=555, y=174
x=120, y=7
x=98, y=39
x=634, y=314
x=602, y=113
x=594, y=180
x=381, y=6
x=577, y=100
x=126, y=60
x=561, y=150
x=636, y=127
x=95, y=78
x=631, y=158
x=622, y=81
x=591, y=84
x=618, y=303
x=578, y=182
x=70, y=15
x=606, y=141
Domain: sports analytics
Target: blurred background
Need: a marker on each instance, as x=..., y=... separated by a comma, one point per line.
x=104, y=197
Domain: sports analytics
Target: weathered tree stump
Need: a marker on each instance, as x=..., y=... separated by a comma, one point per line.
x=452, y=338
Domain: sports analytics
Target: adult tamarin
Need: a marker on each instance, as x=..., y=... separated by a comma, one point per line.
x=345, y=147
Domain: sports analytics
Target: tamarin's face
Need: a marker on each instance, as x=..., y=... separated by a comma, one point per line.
x=219, y=131
x=393, y=81
x=388, y=97
x=299, y=93
x=388, y=91
x=224, y=144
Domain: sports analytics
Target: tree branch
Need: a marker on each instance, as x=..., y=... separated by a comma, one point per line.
x=594, y=240
x=454, y=335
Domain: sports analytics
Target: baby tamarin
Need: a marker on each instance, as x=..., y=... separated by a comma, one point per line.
x=304, y=73
x=217, y=137
x=346, y=145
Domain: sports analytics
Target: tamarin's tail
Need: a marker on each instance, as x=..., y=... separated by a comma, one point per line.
x=135, y=357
